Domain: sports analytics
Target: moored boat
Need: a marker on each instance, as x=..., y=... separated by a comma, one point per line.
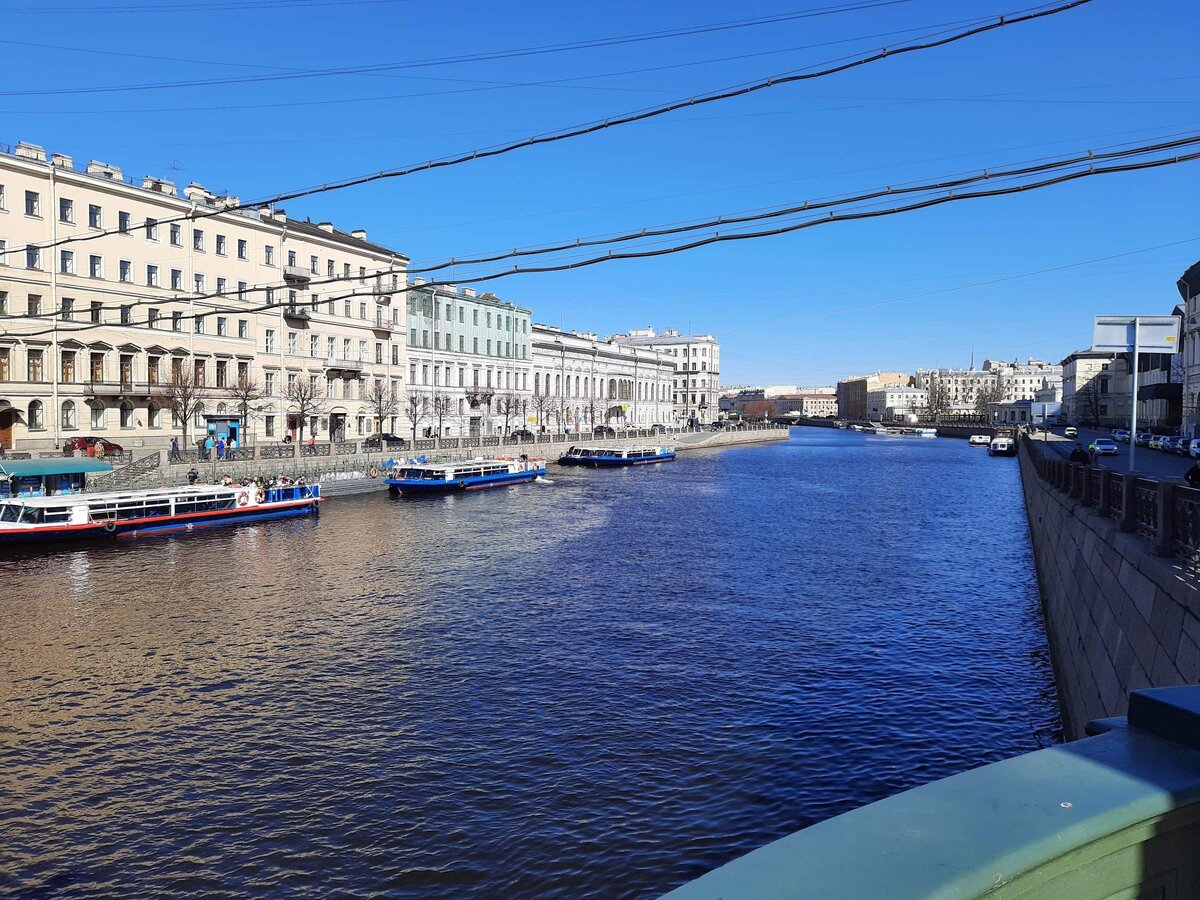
x=1002, y=445
x=607, y=457
x=25, y=519
x=469, y=475
x=979, y=440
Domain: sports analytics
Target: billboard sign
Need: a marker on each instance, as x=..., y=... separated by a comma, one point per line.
x=1154, y=334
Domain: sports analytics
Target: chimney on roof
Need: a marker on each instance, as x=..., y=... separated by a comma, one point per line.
x=264, y=213
x=468, y=292
x=95, y=167
x=281, y=215
x=228, y=202
x=31, y=151
x=197, y=193
x=326, y=226
x=359, y=233
x=61, y=160
x=159, y=185
x=418, y=281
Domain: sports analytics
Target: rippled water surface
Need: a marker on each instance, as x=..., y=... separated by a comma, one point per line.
x=601, y=686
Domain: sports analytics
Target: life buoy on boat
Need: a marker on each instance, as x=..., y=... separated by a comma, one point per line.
x=110, y=525
x=261, y=496
x=244, y=498
x=373, y=472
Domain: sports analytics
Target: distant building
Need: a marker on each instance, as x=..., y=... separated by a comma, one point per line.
x=816, y=404
x=895, y=401
x=1025, y=412
x=1021, y=381
x=1188, y=360
x=1096, y=388
x=696, y=383
x=1160, y=387
x=851, y=394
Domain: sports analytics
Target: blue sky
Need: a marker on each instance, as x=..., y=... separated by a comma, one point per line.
x=802, y=308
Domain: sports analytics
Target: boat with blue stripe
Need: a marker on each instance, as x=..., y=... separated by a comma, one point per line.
x=137, y=513
x=607, y=457
x=468, y=475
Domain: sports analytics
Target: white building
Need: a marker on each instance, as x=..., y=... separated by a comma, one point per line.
x=696, y=384
x=894, y=401
x=1096, y=389
x=470, y=359
x=114, y=290
x=1021, y=381
x=581, y=381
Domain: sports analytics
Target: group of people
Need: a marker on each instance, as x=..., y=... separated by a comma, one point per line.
x=263, y=484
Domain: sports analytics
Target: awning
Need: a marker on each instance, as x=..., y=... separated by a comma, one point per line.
x=68, y=465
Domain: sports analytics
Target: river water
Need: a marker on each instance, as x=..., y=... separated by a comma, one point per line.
x=600, y=686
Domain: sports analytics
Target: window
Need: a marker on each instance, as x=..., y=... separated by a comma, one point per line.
x=222, y=326
x=329, y=268
x=152, y=316
x=33, y=204
x=198, y=283
x=67, y=309
x=33, y=258
x=198, y=371
x=345, y=270
x=153, y=415
x=33, y=365
x=35, y=418
x=66, y=210
x=3, y=198
x=3, y=303
x=362, y=310
x=242, y=290
x=291, y=257
x=95, y=266
x=3, y=252
x=220, y=247
x=269, y=340
x=97, y=418
x=151, y=228
x=176, y=280
x=177, y=321
x=269, y=425
x=176, y=236
x=126, y=414
x=68, y=366
x=475, y=317
x=362, y=274
x=123, y=222
x=66, y=262
x=242, y=328
x=269, y=384
x=34, y=305
x=126, y=314
x=243, y=249
x=68, y=414
x=197, y=239
x=221, y=285
x=152, y=364
x=314, y=345
x=313, y=264
x=199, y=320
x=268, y=255
x=291, y=343
x=125, y=270
x=222, y=371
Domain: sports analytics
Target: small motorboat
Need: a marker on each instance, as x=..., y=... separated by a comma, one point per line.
x=1002, y=445
x=980, y=440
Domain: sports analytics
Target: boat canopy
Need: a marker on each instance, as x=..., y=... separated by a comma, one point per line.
x=36, y=468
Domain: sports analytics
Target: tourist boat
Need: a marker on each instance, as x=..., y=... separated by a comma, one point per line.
x=74, y=516
x=471, y=475
x=980, y=440
x=1002, y=445
x=615, y=456
x=925, y=432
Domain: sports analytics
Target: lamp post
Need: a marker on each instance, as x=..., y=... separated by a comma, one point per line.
x=562, y=378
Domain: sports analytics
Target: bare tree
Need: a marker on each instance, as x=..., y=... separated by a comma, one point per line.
x=507, y=405
x=441, y=405
x=383, y=403
x=989, y=394
x=304, y=400
x=1085, y=405
x=416, y=408
x=244, y=393
x=938, y=402
x=542, y=407
x=184, y=396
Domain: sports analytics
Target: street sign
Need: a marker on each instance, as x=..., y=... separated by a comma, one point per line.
x=1154, y=334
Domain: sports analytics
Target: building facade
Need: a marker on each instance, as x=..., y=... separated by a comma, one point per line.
x=851, y=394
x=1096, y=388
x=696, y=385
x=581, y=381
x=1020, y=381
x=470, y=359
x=118, y=292
x=817, y=405
x=893, y=402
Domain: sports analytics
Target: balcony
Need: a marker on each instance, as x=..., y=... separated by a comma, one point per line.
x=296, y=313
x=384, y=326
x=344, y=365
x=296, y=275
x=120, y=388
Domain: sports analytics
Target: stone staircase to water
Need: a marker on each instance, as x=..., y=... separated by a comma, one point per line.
x=129, y=475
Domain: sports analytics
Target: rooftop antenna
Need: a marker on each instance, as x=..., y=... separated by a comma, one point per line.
x=175, y=168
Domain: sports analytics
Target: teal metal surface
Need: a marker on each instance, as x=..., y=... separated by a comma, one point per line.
x=68, y=465
x=975, y=833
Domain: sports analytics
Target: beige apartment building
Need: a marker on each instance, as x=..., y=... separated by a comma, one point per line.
x=146, y=287
x=851, y=394
x=696, y=387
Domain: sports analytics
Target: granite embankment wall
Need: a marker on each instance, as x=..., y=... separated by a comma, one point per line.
x=1119, y=616
x=348, y=473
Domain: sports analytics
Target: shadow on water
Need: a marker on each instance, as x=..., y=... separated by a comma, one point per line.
x=602, y=686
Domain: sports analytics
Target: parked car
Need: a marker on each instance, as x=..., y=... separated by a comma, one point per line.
x=604, y=431
x=82, y=443
x=1180, y=445
x=1120, y=435
x=1104, y=447
x=658, y=429
x=1071, y=431
x=375, y=441
x=1156, y=441
x=522, y=434
x=1194, y=448
x=1142, y=439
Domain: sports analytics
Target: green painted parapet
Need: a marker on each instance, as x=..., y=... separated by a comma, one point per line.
x=1114, y=816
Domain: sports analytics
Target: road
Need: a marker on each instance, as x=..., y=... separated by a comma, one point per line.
x=1149, y=462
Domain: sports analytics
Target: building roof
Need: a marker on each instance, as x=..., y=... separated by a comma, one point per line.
x=314, y=230
x=65, y=465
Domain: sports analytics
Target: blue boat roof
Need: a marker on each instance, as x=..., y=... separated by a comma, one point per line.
x=66, y=465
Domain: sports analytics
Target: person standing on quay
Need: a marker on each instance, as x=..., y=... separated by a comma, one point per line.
x=1079, y=455
x=208, y=446
x=173, y=453
x=220, y=448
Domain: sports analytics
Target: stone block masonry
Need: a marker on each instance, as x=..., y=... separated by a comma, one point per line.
x=1118, y=616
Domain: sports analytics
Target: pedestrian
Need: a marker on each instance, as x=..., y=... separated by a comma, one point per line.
x=91, y=451
x=1192, y=476
x=220, y=448
x=173, y=454
x=208, y=446
x=312, y=440
x=192, y=475
x=1078, y=454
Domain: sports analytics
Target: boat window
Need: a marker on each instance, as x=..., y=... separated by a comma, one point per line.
x=32, y=515
x=10, y=512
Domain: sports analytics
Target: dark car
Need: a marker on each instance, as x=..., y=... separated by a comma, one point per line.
x=658, y=429
x=375, y=441
x=605, y=431
x=82, y=443
x=522, y=434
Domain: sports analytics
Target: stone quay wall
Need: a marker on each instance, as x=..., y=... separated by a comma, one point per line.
x=345, y=468
x=1121, y=602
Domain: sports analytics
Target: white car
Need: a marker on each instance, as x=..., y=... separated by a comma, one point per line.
x=1194, y=448
x=1103, y=447
x=1070, y=431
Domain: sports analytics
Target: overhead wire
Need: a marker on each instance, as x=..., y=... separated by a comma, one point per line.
x=612, y=122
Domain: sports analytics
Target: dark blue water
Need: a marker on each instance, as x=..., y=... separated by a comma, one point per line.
x=602, y=686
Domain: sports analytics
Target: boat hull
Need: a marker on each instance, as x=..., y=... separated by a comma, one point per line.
x=132, y=528
x=432, y=486
x=612, y=462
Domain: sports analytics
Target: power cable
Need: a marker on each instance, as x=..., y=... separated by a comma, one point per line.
x=597, y=126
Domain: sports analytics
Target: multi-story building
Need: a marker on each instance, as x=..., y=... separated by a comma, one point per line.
x=116, y=292
x=851, y=393
x=1096, y=388
x=696, y=384
x=816, y=404
x=1188, y=359
x=1160, y=386
x=895, y=401
x=581, y=380
x=470, y=358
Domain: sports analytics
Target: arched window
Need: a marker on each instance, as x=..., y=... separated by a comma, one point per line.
x=557, y=385
x=154, y=415
x=199, y=416
x=35, y=415
x=220, y=409
x=126, y=414
x=537, y=383
x=68, y=414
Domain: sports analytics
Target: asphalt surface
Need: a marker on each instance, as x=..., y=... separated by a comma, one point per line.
x=1149, y=462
